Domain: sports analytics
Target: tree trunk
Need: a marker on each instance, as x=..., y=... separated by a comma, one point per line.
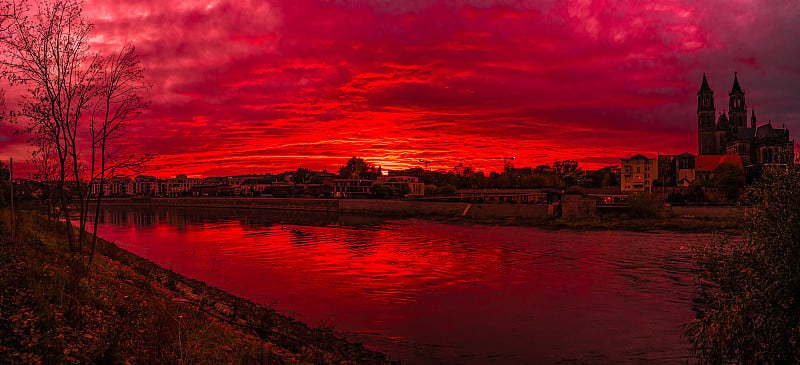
x=81, y=198
x=100, y=191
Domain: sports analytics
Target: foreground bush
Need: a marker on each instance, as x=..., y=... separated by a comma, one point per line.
x=752, y=283
x=643, y=205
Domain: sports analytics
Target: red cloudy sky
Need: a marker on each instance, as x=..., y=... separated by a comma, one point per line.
x=267, y=86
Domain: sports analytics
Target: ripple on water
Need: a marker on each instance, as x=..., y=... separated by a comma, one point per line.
x=428, y=292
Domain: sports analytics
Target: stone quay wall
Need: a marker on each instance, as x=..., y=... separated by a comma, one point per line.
x=572, y=206
x=404, y=208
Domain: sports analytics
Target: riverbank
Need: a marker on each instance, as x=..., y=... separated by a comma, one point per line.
x=696, y=219
x=125, y=309
x=674, y=224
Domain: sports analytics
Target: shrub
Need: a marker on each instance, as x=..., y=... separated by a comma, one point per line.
x=695, y=193
x=380, y=191
x=448, y=189
x=752, y=303
x=729, y=179
x=643, y=205
x=432, y=190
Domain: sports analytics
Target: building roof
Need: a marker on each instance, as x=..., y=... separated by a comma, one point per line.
x=766, y=132
x=686, y=154
x=722, y=123
x=704, y=88
x=707, y=163
x=639, y=157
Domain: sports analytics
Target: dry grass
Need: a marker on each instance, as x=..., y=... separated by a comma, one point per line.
x=125, y=309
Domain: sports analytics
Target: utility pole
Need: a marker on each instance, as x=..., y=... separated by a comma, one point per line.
x=11, y=183
x=505, y=159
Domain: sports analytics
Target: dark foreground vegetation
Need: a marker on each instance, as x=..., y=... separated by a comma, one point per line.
x=751, y=285
x=676, y=224
x=124, y=309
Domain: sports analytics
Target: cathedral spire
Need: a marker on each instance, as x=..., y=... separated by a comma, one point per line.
x=736, y=88
x=737, y=108
x=706, y=125
x=753, y=119
x=704, y=88
x=705, y=97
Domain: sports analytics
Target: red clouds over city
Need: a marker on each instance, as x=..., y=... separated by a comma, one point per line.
x=267, y=86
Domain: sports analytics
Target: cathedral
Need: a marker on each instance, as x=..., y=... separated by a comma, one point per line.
x=729, y=134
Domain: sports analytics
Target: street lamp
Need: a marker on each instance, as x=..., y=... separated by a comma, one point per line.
x=425, y=162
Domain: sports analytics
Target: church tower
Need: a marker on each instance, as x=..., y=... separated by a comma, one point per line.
x=737, y=109
x=706, y=127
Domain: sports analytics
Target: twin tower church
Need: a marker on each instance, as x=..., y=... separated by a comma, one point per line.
x=731, y=134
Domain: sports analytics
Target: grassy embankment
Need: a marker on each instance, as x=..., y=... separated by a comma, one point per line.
x=676, y=224
x=124, y=309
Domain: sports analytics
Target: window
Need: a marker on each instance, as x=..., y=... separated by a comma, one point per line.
x=638, y=169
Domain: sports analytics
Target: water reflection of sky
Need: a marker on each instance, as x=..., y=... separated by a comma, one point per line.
x=431, y=292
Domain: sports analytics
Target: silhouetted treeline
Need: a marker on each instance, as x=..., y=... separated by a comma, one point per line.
x=526, y=177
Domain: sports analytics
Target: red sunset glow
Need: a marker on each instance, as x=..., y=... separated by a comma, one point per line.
x=267, y=86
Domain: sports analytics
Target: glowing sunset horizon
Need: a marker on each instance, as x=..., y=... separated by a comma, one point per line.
x=246, y=87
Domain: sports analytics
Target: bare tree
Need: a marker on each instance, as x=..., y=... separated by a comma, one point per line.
x=119, y=99
x=45, y=165
x=77, y=103
x=48, y=51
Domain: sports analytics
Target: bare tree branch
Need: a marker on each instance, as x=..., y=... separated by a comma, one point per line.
x=77, y=104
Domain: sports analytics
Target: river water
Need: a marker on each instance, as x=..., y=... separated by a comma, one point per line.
x=428, y=292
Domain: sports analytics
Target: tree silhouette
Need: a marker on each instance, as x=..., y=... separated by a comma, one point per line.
x=357, y=168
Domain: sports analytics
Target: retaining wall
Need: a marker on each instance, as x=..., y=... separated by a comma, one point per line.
x=709, y=211
x=572, y=206
x=361, y=206
x=507, y=211
x=274, y=203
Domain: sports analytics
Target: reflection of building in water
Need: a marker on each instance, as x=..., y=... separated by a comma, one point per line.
x=143, y=218
x=179, y=221
x=116, y=217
